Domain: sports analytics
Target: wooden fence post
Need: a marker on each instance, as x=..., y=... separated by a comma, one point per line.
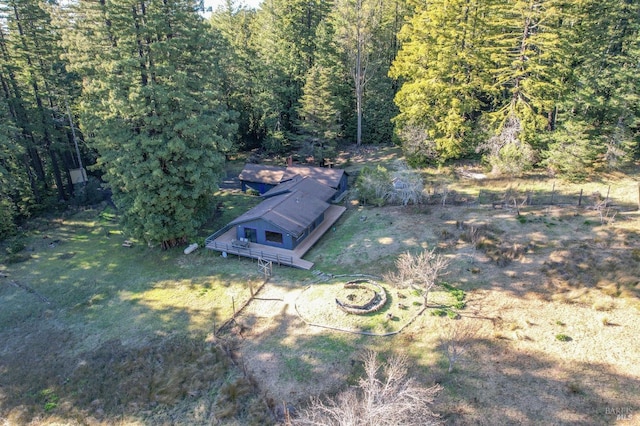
x=580, y=199
x=553, y=191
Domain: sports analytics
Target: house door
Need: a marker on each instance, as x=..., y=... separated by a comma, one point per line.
x=251, y=235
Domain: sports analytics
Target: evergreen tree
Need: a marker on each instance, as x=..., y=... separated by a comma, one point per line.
x=442, y=65
x=234, y=25
x=152, y=108
x=570, y=151
x=14, y=187
x=607, y=77
x=325, y=100
x=34, y=82
x=284, y=40
x=379, y=108
x=530, y=63
x=319, y=124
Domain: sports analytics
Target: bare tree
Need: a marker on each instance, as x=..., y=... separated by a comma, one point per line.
x=407, y=184
x=474, y=235
x=456, y=339
x=356, y=22
x=505, y=152
x=419, y=271
x=384, y=396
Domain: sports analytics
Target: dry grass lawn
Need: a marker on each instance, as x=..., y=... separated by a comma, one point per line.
x=552, y=297
x=95, y=333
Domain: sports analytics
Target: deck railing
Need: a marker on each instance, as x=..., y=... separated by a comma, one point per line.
x=215, y=235
x=249, y=252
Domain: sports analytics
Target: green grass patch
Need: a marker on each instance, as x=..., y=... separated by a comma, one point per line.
x=317, y=305
x=96, y=287
x=563, y=337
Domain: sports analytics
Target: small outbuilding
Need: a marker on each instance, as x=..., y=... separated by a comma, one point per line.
x=260, y=177
x=263, y=178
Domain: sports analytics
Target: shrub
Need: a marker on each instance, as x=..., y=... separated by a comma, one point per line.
x=386, y=395
x=452, y=314
x=373, y=185
x=571, y=152
x=7, y=218
x=460, y=305
x=90, y=193
x=506, y=152
x=563, y=337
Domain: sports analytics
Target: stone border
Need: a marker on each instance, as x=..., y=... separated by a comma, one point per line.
x=375, y=304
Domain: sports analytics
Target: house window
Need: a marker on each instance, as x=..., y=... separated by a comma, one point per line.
x=273, y=237
x=251, y=234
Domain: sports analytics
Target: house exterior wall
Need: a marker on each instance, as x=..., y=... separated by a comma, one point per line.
x=261, y=187
x=342, y=186
x=261, y=227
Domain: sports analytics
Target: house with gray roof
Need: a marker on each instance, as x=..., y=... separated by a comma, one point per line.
x=263, y=178
x=304, y=184
x=260, y=177
x=295, y=213
x=282, y=220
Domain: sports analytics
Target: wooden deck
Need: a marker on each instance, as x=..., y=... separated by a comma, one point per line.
x=280, y=256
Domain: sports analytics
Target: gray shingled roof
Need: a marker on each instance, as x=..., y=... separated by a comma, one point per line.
x=305, y=184
x=292, y=212
x=260, y=173
x=326, y=176
x=274, y=175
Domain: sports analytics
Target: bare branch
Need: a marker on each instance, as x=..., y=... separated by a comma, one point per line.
x=385, y=396
x=420, y=271
x=456, y=339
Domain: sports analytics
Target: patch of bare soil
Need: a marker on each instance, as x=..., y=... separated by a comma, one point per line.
x=553, y=292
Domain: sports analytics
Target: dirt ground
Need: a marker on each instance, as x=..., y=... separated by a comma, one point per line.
x=552, y=299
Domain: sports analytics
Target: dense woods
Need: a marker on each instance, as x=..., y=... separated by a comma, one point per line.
x=155, y=94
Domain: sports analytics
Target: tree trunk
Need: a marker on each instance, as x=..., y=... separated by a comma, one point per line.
x=359, y=77
x=56, y=175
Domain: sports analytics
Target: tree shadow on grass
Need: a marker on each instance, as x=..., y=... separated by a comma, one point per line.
x=166, y=375
x=532, y=261
x=497, y=384
x=86, y=338
x=503, y=385
x=290, y=360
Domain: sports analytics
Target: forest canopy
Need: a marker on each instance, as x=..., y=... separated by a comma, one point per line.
x=155, y=95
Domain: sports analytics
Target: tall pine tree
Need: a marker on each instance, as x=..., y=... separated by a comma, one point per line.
x=232, y=25
x=445, y=78
x=284, y=40
x=34, y=83
x=152, y=109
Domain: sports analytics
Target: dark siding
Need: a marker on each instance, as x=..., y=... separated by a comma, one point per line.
x=342, y=186
x=261, y=227
x=256, y=186
x=289, y=242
